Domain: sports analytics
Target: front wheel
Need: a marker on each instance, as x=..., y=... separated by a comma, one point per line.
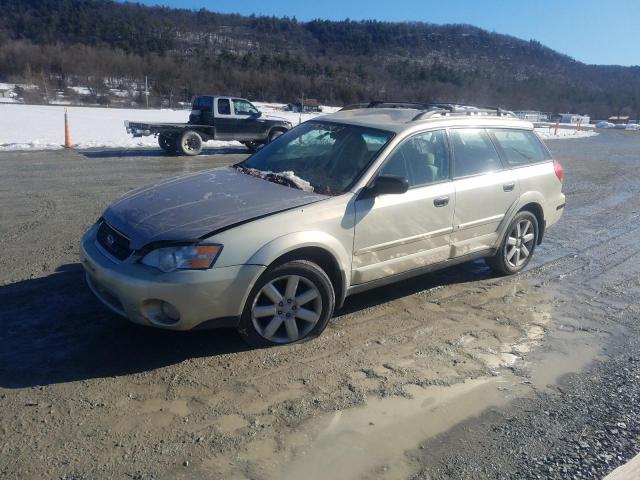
x=190, y=143
x=252, y=146
x=275, y=134
x=518, y=245
x=289, y=303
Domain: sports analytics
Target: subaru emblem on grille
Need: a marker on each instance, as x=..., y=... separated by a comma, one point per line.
x=110, y=240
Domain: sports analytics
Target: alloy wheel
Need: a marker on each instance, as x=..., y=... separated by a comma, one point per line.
x=519, y=244
x=190, y=144
x=286, y=309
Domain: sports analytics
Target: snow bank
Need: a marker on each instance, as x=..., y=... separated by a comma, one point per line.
x=41, y=127
x=549, y=133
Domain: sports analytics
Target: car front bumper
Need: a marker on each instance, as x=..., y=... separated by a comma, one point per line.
x=213, y=297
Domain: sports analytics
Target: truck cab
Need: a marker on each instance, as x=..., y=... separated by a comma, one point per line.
x=214, y=118
x=233, y=118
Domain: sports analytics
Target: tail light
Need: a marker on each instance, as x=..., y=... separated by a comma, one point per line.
x=559, y=170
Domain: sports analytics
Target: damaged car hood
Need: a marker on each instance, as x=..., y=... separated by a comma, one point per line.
x=194, y=206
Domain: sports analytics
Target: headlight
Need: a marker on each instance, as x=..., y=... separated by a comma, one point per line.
x=194, y=257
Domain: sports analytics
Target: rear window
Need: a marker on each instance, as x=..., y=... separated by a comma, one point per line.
x=473, y=152
x=520, y=147
x=224, y=106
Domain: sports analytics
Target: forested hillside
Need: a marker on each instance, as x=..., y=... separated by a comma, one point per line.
x=101, y=44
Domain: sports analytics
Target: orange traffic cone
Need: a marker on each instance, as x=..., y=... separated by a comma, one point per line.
x=67, y=135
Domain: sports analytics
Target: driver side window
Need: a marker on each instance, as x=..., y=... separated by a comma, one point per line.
x=242, y=107
x=422, y=159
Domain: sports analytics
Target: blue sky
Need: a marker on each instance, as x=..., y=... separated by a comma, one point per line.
x=592, y=31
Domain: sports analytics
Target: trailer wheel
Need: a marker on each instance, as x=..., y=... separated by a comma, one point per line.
x=168, y=144
x=190, y=143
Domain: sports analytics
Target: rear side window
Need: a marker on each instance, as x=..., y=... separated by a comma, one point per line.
x=520, y=147
x=224, y=106
x=421, y=159
x=473, y=152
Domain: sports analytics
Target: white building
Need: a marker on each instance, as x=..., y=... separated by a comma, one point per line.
x=574, y=118
x=532, y=116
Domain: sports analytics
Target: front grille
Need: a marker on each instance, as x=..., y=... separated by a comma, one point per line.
x=113, y=242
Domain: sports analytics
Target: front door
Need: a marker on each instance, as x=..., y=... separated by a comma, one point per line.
x=396, y=233
x=249, y=125
x=485, y=191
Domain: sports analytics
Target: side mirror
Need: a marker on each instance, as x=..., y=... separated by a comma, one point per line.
x=258, y=114
x=389, y=184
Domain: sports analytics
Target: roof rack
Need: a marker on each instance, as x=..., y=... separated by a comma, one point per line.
x=429, y=110
x=381, y=104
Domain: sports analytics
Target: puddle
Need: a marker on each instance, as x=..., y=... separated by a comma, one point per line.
x=419, y=383
x=372, y=439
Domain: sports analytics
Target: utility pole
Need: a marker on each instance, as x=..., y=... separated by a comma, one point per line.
x=146, y=90
x=301, y=108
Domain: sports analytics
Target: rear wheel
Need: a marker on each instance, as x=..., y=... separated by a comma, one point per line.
x=168, y=144
x=190, y=143
x=290, y=303
x=518, y=245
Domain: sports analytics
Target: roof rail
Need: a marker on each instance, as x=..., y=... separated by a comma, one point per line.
x=381, y=104
x=436, y=108
x=447, y=109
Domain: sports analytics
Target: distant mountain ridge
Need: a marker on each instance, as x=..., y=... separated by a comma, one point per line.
x=104, y=44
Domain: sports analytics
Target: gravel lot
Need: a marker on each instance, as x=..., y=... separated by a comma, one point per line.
x=457, y=374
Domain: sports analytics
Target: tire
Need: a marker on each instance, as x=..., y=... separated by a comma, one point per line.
x=252, y=146
x=269, y=319
x=168, y=144
x=190, y=143
x=275, y=134
x=518, y=245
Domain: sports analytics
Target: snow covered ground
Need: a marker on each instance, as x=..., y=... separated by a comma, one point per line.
x=41, y=127
x=549, y=133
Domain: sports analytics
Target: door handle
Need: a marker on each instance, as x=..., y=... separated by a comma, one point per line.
x=441, y=201
x=508, y=187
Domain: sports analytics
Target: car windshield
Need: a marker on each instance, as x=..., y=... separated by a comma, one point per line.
x=321, y=157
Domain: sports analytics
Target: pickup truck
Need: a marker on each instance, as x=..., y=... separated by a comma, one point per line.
x=214, y=118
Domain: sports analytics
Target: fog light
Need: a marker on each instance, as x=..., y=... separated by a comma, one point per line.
x=170, y=311
x=160, y=312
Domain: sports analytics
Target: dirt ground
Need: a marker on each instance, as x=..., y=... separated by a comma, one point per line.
x=456, y=374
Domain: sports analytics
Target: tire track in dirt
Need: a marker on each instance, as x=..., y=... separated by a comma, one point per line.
x=45, y=208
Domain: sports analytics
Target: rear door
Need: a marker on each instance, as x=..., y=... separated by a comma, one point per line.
x=401, y=232
x=224, y=122
x=484, y=190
